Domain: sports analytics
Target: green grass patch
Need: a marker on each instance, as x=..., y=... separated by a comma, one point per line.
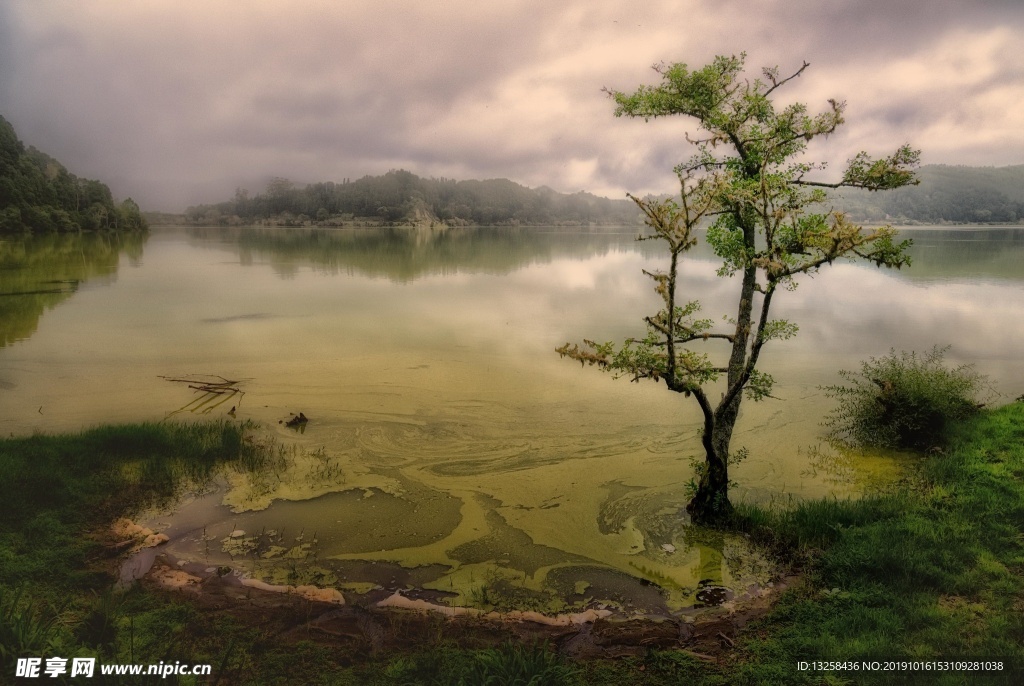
x=55, y=599
x=933, y=568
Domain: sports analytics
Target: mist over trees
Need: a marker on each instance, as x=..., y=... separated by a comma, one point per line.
x=37, y=194
x=401, y=197
x=946, y=194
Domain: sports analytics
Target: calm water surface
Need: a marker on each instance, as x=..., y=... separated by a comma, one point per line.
x=449, y=448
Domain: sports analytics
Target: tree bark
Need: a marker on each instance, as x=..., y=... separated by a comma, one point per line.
x=711, y=504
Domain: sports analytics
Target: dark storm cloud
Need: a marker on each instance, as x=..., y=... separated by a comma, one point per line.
x=176, y=103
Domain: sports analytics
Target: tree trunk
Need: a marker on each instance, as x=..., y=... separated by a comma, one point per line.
x=711, y=504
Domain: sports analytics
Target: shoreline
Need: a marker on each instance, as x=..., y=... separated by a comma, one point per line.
x=928, y=569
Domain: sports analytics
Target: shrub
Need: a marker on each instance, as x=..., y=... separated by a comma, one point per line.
x=903, y=400
x=517, y=665
x=24, y=631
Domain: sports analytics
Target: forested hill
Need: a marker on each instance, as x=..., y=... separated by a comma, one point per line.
x=38, y=194
x=401, y=197
x=945, y=194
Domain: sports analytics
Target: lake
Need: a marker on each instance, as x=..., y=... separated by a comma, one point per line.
x=449, y=449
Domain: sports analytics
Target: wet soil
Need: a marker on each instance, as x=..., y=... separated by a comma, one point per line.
x=362, y=630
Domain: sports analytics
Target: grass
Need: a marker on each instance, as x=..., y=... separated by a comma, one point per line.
x=508, y=665
x=932, y=568
x=55, y=596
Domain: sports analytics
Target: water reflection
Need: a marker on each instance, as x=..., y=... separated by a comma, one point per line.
x=406, y=254
x=447, y=447
x=39, y=272
x=973, y=253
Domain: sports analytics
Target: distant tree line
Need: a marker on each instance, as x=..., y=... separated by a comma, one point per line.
x=401, y=197
x=38, y=194
x=946, y=194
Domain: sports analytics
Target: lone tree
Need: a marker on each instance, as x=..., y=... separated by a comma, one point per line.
x=746, y=173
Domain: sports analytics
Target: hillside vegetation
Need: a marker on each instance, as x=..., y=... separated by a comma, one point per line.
x=946, y=194
x=401, y=197
x=38, y=194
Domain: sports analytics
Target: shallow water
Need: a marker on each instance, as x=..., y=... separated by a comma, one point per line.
x=448, y=447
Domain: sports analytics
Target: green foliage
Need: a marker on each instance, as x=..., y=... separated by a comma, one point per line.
x=928, y=569
x=884, y=174
x=56, y=490
x=24, y=630
x=511, y=664
x=402, y=197
x=38, y=194
x=517, y=665
x=945, y=194
x=759, y=386
x=903, y=400
x=779, y=329
x=744, y=175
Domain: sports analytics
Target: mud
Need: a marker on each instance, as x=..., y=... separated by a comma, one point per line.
x=377, y=623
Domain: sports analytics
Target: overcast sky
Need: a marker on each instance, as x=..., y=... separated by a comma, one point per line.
x=176, y=103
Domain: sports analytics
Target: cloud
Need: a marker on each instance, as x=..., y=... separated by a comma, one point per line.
x=178, y=104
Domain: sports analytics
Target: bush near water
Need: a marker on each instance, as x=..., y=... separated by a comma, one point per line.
x=904, y=400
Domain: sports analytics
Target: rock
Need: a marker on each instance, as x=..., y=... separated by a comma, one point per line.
x=575, y=619
x=153, y=540
x=126, y=528
x=136, y=537
x=175, y=579
x=588, y=616
x=399, y=600
x=264, y=586
x=321, y=595
x=713, y=595
x=314, y=593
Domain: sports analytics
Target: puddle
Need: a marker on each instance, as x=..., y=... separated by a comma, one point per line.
x=553, y=538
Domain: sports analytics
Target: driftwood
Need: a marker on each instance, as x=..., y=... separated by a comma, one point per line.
x=215, y=391
x=297, y=421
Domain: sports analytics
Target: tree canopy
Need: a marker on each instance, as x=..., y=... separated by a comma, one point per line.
x=946, y=194
x=38, y=194
x=400, y=196
x=747, y=174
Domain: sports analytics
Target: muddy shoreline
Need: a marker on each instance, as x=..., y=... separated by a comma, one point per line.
x=367, y=625
x=380, y=620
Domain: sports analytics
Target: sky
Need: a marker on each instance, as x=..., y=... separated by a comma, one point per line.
x=179, y=103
